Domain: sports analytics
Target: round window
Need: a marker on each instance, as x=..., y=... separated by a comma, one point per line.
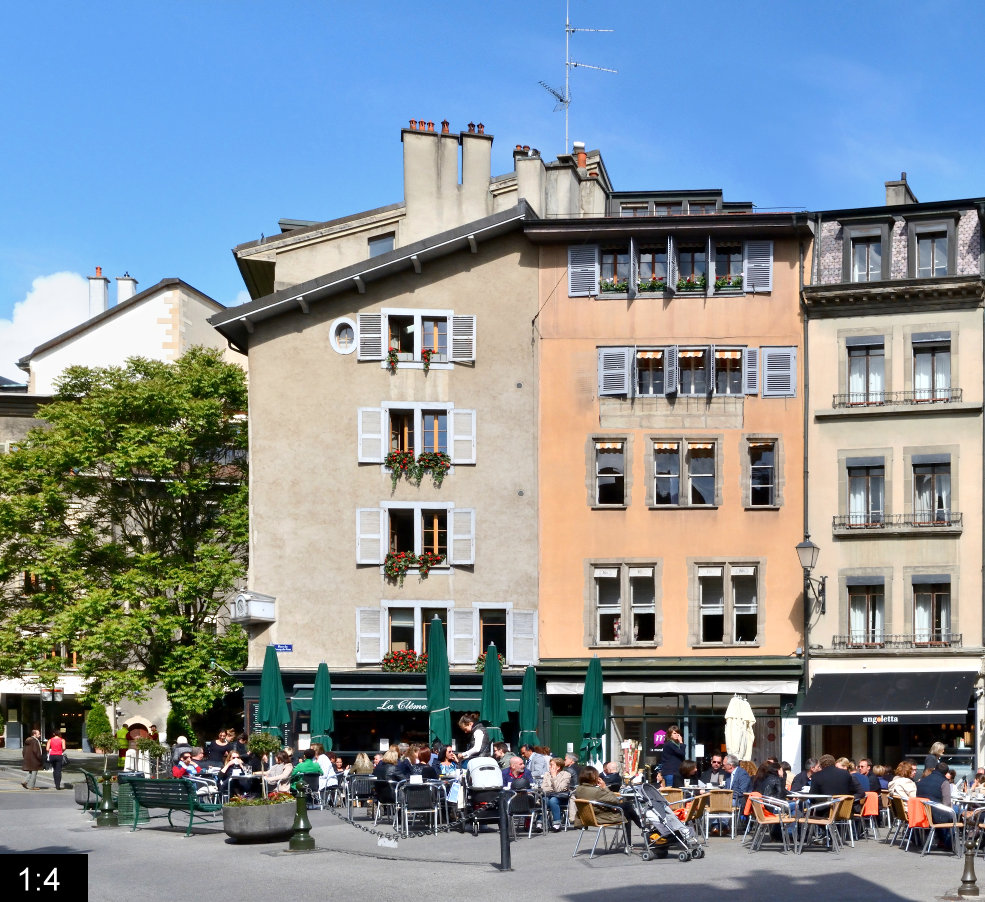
x=344, y=336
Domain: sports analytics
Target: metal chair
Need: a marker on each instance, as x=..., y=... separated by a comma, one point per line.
x=585, y=809
x=947, y=820
x=898, y=826
x=694, y=813
x=770, y=813
x=358, y=788
x=820, y=817
x=524, y=807
x=414, y=801
x=720, y=809
x=870, y=813
x=385, y=799
x=313, y=798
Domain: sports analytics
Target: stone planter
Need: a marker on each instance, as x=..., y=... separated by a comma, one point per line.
x=259, y=823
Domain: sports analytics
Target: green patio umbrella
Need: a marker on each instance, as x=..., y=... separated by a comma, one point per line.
x=273, y=712
x=492, y=710
x=322, y=708
x=439, y=685
x=528, y=708
x=592, y=713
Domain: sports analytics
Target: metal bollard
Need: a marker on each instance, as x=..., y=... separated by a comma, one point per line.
x=505, y=862
x=107, y=813
x=301, y=840
x=969, y=882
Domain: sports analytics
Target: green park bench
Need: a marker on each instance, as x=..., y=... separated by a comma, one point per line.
x=94, y=792
x=172, y=795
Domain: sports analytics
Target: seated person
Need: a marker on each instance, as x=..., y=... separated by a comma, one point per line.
x=232, y=766
x=832, y=780
x=714, y=776
x=517, y=777
x=556, y=786
x=688, y=774
x=420, y=763
x=185, y=767
x=501, y=752
x=592, y=788
x=362, y=764
x=278, y=778
x=328, y=779
x=390, y=767
x=307, y=765
x=902, y=785
x=768, y=782
x=447, y=762
x=611, y=776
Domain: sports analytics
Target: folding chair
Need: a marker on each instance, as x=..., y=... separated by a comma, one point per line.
x=917, y=818
x=949, y=822
x=817, y=817
x=358, y=788
x=585, y=809
x=770, y=813
x=523, y=807
x=845, y=817
x=313, y=798
x=898, y=821
x=720, y=809
x=747, y=812
x=691, y=813
x=870, y=813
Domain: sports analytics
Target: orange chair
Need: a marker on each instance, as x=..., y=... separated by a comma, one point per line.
x=747, y=811
x=916, y=819
x=870, y=812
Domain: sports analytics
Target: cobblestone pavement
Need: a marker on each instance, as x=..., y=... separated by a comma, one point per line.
x=158, y=862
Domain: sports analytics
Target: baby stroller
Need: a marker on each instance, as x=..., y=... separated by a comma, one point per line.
x=480, y=794
x=662, y=828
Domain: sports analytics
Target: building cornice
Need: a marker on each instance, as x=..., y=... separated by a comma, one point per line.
x=895, y=296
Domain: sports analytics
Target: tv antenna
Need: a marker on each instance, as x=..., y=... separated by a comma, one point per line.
x=564, y=98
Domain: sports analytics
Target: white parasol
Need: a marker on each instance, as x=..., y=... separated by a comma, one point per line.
x=739, y=733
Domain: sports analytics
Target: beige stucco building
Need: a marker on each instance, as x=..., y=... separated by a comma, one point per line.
x=895, y=332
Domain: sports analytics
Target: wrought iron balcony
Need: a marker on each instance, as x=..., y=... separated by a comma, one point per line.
x=875, y=640
x=929, y=520
x=895, y=398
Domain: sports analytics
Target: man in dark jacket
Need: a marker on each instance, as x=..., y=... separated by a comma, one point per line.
x=737, y=780
x=714, y=776
x=936, y=787
x=804, y=777
x=33, y=756
x=832, y=780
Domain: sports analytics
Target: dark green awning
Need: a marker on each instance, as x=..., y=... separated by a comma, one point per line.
x=404, y=700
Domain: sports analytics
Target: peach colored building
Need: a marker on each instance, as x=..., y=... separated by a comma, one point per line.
x=671, y=495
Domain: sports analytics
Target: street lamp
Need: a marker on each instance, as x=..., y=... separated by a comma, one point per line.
x=807, y=553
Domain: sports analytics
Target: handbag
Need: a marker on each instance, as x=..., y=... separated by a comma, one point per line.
x=64, y=758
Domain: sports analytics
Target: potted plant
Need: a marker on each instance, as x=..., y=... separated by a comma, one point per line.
x=657, y=283
x=392, y=359
x=426, y=561
x=614, y=285
x=692, y=283
x=399, y=661
x=724, y=283
x=480, y=662
x=259, y=820
x=397, y=563
x=437, y=463
x=263, y=745
x=401, y=463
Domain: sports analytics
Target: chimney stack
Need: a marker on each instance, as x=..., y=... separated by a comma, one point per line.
x=126, y=288
x=579, y=153
x=898, y=192
x=98, y=293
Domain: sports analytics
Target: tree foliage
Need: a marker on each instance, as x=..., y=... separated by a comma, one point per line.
x=123, y=529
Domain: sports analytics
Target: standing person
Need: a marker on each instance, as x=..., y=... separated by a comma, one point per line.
x=123, y=743
x=674, y=754
x=478, y=733
x=33, y=756
x=934, y=756
x=56, y=755
x=216, y=750
x=153, y=733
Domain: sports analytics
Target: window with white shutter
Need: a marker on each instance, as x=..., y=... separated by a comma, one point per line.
x=371, y=441
x=462, y=436
x=463, y=635
x=583, y=270
x=779, y=372
x=671, y=370
x=750, y=371
x=758, y=266
x=462, y=339
x=369, y=635
x=615, y=370
x=370, y=535
x=461, y=536
x=371, y=328
x=521, y=638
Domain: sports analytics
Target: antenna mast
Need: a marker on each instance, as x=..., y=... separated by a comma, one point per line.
x=564, y=100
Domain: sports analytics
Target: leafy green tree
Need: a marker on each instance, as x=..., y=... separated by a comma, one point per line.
x=123, y=529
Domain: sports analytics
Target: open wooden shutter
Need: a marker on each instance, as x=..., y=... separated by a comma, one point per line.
x=462, y=339
x=461, y=536
x=711, y=370
x=671, y=373
x=634, y=269
x=521, y=637
x=750, y=371
x=370, y=535
x=371, y=328
x=462, y=424
x=370, y=441
x=758, y=266
x=583, y=270
x=779, y=372
x=673, y=265
x=463, y=633
x=369, y=635
x=615, y=369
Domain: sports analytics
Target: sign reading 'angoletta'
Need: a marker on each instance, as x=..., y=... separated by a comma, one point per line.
x=404, y=704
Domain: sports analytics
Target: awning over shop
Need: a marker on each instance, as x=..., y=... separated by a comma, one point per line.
x=888, y=698
x=677, y=687
x=401, y=700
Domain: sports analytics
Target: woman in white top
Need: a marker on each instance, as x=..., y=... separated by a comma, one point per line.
x=902, y=785
x=328, y=779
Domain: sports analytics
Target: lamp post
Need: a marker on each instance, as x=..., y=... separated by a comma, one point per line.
x=814, y=595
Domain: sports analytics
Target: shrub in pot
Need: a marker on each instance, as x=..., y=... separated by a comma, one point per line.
x=259, y=820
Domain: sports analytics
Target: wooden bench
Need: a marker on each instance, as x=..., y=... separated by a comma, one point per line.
x=173, y=795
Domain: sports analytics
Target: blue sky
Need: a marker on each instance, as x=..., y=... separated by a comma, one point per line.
x=153, y=137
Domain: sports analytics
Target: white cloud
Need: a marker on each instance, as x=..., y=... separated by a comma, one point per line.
x=242, y=297
x=54, y=304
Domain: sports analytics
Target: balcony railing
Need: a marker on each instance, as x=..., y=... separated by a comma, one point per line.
x=888, y=398
x=929, y=520
x=872, y=639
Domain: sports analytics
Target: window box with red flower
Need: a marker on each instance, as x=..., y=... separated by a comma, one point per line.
x=408, y=661
x=402, y=463
x=392, y=359
x=426, y=355
x=480, y=662
x=437, y=463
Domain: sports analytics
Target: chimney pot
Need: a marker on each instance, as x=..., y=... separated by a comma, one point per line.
x=430, y=126
x=444, y=126
x=902, y=176
x=471, y=128
x=519, y=147
x=413, y=124
x=482, y=128
x=99, y=272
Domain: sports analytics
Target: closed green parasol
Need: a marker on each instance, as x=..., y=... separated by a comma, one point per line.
x=528, y=708
x=273, y=712
x=322, y=708
x=492, y=710
x=592, y=714
x=439, y=685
